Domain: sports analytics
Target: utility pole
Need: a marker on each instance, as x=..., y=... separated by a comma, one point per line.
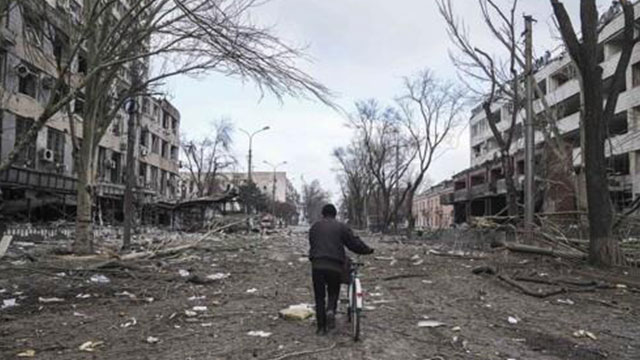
x=250, y=136
x=131, y=107
x=529, y=143
x=273, y=187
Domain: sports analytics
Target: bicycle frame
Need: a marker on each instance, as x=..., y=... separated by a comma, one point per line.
x=355, y=281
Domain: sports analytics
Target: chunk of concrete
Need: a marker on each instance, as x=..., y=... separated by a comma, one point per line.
x=297, y=312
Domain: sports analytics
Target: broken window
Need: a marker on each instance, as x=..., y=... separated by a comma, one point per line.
x=82, y=64
x=164, y=149
x=116, y=166
x=26, y=158
x=142, y=173
x=154, y=177
x=155, y=144
x=635, y=75
x=144, y=137
x=55, y=143
x=28, y=83
x=618, y=125
x=78, y=106
x=166, y=120
x=174, y=153
x=163, y=181
x=619, y=165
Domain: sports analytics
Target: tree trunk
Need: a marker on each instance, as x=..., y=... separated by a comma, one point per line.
x=603, y=248
x=512, y=191
x=411, y=224
x=83, y=243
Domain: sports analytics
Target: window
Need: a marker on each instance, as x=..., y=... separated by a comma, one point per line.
x=28, y=81
x=55, y=143
x=82, y=64
x=26, y=158
x=154, y=177
x=163, y=181
x=116, y=166
x=3, y=66
x=635, y=75
x=142, y=173
x=144, y=137
x=174, y=153
x=174, y=125
x=164, y=149
x=165, y=120
x=155, y=144
x=78, y=106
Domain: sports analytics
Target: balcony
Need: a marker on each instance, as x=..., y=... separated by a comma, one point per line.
x=461, y=195
x=38, y=180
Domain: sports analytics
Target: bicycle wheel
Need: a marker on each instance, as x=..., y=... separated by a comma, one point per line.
x=354, y=314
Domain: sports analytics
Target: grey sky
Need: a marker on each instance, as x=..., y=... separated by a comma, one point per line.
x=360, y=49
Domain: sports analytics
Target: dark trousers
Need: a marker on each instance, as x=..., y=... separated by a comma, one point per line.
x=325, y=281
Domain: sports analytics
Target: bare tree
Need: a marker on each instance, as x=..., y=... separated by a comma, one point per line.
x=431, y=110
x=496, y=79
x=604, y=248
x=97, y=48
x=314, y=197
x=355, y=182
x=207, y=157
x=390, y=154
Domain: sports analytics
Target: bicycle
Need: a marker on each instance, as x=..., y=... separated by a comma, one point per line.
x=356, y=298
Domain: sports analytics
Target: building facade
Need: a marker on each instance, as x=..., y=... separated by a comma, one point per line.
x=480, y=190
x=44, y=175
x=264, y=180
x=428, y=210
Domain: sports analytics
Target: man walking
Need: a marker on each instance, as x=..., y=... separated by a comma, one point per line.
x=327, y=240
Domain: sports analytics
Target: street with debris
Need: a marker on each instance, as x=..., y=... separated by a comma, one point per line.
x=223, y=297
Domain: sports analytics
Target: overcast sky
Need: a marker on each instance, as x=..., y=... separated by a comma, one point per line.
x=360, y=49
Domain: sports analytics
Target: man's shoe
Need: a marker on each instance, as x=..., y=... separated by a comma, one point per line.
x=321, y=331
x=331, y=320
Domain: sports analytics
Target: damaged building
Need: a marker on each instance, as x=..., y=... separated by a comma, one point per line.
x=481, y=189
x=41, y=184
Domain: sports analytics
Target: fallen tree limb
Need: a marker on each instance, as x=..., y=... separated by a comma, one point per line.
x=306, y=352
x=544, y=251
x=528, y=291
x=456, y=255
x=404, y=276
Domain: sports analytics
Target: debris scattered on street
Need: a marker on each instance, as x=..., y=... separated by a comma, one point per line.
x=27, y=353
x=152, y=340
x=90, y=346
x=9, y=303
x=184, y=273
x=430, y=324
x=50, y=300
x=218, y=276
x=259, y=333
x=512, y=320
x=297, y=312
x=583, y=334
x=100, y=279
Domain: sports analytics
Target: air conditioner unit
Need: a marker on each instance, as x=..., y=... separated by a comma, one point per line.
x=110, y=164
x=46, y=155
x=23, y=70
x=123, y=146
x=141, y=181
x=144, y=151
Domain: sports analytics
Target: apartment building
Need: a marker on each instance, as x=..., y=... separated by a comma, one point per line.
x=480, y=190
x=428, y=210
x=44, y=175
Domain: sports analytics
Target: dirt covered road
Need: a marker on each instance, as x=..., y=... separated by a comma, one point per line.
x=204, y=303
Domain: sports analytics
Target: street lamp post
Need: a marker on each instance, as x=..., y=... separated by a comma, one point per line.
x=273, y=188
x=250, y=136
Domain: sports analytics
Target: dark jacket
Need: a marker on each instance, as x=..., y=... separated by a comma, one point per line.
x=327, y=240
